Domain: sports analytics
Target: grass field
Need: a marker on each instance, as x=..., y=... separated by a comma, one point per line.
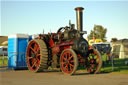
x=119, y=66
x=3, y=62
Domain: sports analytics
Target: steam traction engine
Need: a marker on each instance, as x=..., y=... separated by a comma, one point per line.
x=66, y=49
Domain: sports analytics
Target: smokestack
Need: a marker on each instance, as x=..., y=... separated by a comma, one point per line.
x=79, y=16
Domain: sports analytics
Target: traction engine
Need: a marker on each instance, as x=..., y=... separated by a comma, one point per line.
x=66, y=49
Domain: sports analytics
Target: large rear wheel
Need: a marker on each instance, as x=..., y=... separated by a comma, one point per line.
x=68, y=61
x=37, y=55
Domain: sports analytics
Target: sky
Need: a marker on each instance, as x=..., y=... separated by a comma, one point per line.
x=32, y=16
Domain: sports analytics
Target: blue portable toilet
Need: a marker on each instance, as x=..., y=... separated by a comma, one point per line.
x=17, y=45
x=30, y=37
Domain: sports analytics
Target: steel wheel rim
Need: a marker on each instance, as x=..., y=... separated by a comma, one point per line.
x=67, y=62
x=92, y=61
x=33, y=56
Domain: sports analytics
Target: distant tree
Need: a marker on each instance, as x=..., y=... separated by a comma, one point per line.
x=114, y=39
x=98, y=32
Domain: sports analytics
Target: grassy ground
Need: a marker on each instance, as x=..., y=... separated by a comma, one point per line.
x=119, y=66
x=3, y=62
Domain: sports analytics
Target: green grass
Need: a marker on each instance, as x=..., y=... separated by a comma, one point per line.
x=3, y=62
x=119, y=66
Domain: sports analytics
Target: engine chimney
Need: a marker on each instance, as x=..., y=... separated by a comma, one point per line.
x=79, y=16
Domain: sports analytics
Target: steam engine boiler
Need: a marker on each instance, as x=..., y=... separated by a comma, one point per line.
x=66, y=49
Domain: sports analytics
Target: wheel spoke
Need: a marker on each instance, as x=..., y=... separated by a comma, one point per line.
x=94, y=52
x=33, y=60
x=32, y=52
x=92, y=61
x=71, y=65
x=38, y=61
x=38, y=55
x=34, y=64
x=92, y=65
x=70, y=57
x=71, y=61
x=30, y=57
x=66, y=56
x=97, y=57
x=38, y=50
x=63, y=63
x=66, y=67
x=32, y=49
x=65, y=59
x=97, y=62
x=70, y=68
x=35, y=47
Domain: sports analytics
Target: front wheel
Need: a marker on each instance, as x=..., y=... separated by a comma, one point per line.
x=68, y=61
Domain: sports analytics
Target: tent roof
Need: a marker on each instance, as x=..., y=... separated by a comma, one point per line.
x=122, y=41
